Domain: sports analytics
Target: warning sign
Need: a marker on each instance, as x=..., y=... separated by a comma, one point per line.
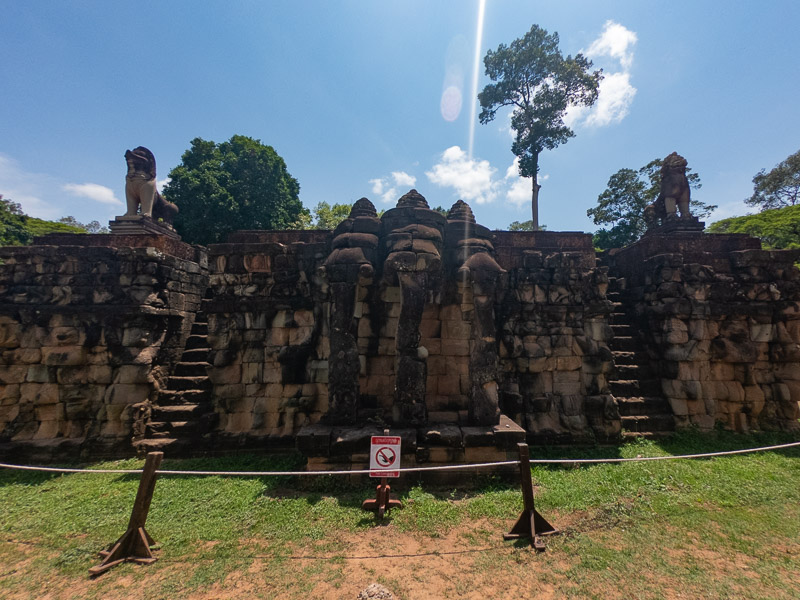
x=384, y=456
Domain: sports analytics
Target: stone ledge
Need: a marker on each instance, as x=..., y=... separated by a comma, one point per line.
x=168, y=245
x=119, y=310
x=139, y=224
x=339, y=444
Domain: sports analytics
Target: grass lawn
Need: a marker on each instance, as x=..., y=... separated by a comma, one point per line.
x=717, y=528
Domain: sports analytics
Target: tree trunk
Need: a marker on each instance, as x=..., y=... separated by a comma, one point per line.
x=535, y=196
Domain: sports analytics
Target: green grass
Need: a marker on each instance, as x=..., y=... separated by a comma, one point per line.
x=726, y=527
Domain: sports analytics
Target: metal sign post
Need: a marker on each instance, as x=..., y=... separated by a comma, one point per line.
x=384, y=460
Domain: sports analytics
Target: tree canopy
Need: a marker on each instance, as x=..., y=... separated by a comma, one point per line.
x=622, y=204
x=778, y=228
x=90, y=227
x=238, y=184
x=533, y=77
x=525, y=226
x=328, y=216
x=778, y=188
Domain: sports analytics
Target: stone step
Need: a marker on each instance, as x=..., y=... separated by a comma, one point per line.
x=196, y=382
x=622, y=357
x=195, y=355
x=650, y=423
x=635, y=371
x=181, y=397
x=180, y=412
x=196, y=341
x=191, y=368
x=634, y=388
x=648, y=435
x=643, y=405
x=624, y=343
x=616, y=318
x=622, y=329
x=173, y=428
x=165, y=444
x=199, y=328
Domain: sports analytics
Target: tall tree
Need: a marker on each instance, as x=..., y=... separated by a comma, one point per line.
x=238, y=184
x=534, y=78
x=622, y=204
x=778, y=188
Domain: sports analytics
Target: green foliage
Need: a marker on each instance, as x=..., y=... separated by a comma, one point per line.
x=777, y=228
x=238, y=184
x=525, y=226
x=653, y=517
x=622, y=204
x=18, y=229
x=539, y=84
x=90, y=227
x=778, y=188
x=328, y=217
x=13, y=230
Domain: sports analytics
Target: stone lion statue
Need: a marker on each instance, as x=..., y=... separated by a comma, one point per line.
x=140, y=187
x=675, y=193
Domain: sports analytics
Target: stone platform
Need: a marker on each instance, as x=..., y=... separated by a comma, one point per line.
x=347, y=448
x=140, y=224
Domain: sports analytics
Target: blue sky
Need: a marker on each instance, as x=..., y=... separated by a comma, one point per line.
x=361, y=98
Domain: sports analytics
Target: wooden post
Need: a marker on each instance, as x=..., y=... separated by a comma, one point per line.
x=134, y=545
x=530, y=523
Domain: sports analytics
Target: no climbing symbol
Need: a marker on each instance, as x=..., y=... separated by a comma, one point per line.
x=384, y=454
x=385, y=457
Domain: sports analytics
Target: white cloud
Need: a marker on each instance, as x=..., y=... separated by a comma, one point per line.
x=160, y=183
x=616, y=92
x=617, y=42
x=387, y=187
x=518, y=191
x=93, y=191
x=377, y=186
x=472, y=179
x=616, y=97
x=403, y=178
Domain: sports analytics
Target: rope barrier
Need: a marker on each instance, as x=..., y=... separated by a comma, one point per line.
x=559, y=461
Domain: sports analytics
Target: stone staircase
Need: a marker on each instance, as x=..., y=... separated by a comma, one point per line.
x=635, y=384
x=184, y=412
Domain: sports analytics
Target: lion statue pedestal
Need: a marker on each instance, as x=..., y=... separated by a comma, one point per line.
x=675, y=194
x=156, y=214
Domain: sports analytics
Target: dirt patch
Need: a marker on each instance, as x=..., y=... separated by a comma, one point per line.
x=592, y=558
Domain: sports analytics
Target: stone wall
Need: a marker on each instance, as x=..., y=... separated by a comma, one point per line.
x=90, y=326
x=554, y=341
x=721, y=318
x=466, y=340
x=266, y=320
x=270, y=334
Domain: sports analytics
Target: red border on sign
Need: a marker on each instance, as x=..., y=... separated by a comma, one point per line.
x=385, y=440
